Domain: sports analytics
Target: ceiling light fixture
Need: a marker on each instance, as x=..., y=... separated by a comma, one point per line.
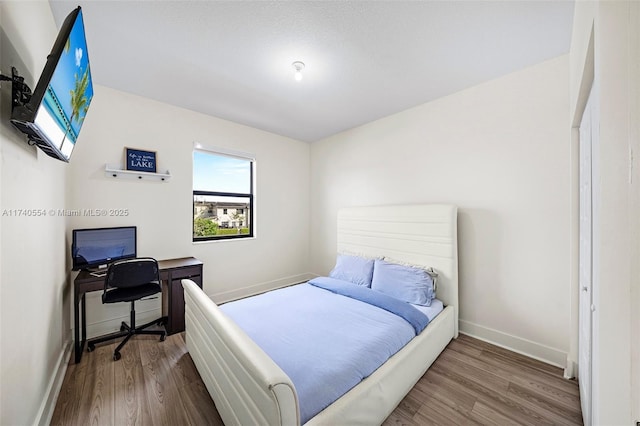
x=299, y=66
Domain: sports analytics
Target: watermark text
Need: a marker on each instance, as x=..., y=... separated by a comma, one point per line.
x=65, y=212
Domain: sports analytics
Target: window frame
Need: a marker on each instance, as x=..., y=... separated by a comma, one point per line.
x=250, y=196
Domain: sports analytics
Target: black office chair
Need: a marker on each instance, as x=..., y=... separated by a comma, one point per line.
x=127, y=281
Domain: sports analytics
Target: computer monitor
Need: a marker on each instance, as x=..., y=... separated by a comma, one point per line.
x=95, y=248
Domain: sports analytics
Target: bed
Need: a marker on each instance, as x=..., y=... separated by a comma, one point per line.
x=249, y=388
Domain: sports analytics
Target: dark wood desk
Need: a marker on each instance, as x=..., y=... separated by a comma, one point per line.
x=171, y=272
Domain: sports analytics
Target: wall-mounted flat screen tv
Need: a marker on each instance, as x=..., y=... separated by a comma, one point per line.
x=97, y=247
x=53, y=116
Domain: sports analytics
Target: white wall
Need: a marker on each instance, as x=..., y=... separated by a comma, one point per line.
x=616, y=382
x=163, y=211
x=500, y=152
x=34, y=289
x=634, y=211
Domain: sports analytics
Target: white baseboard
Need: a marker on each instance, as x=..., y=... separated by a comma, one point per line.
x=571, y=370
x=106, y=318
x=48, y=405
x=516, y=344
x=112, y=325
x=239, y=293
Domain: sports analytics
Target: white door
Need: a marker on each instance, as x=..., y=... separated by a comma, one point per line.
x=585, y=338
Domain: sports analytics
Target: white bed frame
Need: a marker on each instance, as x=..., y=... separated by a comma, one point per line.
x=247, y=386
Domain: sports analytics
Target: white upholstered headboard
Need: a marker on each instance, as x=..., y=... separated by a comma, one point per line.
x=425, y=235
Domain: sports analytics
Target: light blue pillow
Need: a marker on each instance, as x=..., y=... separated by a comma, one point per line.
x=407, y=283
x=355, y=269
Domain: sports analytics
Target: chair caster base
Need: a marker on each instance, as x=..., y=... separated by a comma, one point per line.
x=116, y=356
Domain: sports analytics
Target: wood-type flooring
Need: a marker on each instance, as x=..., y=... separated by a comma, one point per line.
x=471, y=382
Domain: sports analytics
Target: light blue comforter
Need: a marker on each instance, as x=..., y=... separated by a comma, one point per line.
x=325, y=342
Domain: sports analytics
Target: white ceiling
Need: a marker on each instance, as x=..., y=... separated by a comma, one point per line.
x=364, y=59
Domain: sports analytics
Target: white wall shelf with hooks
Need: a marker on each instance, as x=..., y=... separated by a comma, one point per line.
x=116, y=172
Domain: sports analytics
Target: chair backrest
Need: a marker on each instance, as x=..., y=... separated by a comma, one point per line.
x=132, y=272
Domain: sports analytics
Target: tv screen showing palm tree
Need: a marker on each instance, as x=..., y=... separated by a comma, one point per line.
x=68, y=94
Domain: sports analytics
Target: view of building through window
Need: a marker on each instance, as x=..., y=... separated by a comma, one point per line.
x=222, y=196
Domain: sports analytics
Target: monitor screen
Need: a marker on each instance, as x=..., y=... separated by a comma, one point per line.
x=54, y=115
x=99, y=246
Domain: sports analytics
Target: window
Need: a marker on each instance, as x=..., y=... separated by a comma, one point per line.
x=222, y=196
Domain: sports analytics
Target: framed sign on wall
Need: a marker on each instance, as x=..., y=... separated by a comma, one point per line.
x=140, y=160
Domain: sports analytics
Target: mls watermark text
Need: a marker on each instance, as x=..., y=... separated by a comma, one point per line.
x=64, y=212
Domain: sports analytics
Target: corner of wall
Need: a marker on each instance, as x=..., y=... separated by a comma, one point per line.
x=48, y=405
x=30, y=181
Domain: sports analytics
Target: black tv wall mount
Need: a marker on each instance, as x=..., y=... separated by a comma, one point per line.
x=20, y=91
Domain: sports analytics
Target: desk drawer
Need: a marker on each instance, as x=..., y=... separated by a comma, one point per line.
x=188, y=272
